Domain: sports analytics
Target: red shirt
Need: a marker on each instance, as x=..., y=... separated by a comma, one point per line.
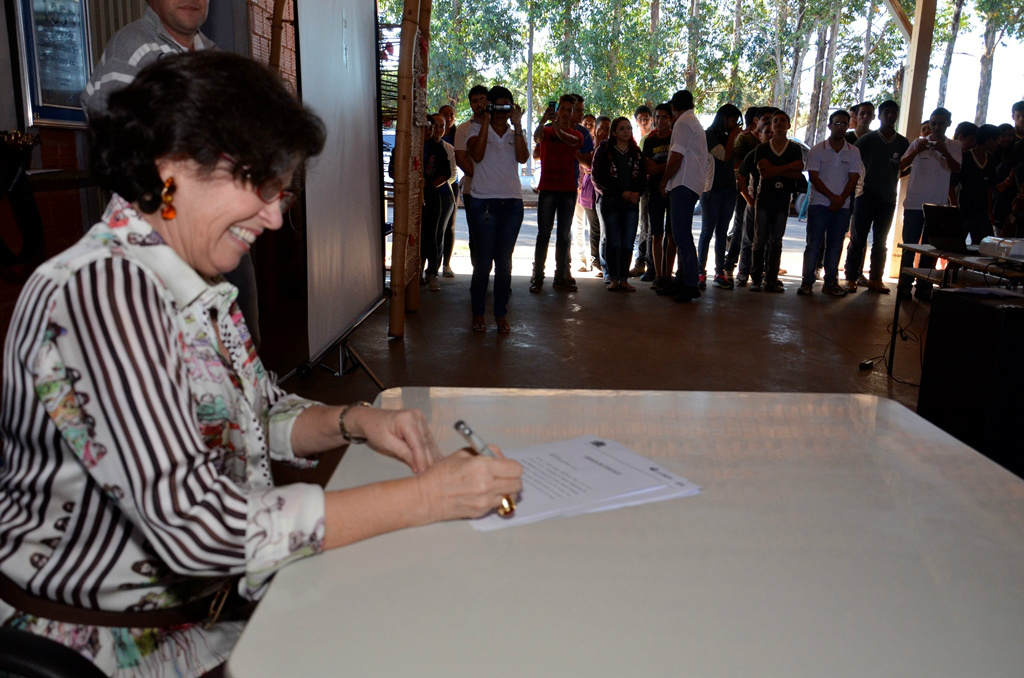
x=558, y=161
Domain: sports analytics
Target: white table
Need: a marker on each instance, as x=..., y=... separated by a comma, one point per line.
x=837, y=535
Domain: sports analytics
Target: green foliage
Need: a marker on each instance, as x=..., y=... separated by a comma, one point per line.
x=887, y=52
x=607, y=51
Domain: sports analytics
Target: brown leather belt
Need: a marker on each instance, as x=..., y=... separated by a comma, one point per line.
x=207, y=609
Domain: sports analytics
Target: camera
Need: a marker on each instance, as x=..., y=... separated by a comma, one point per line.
x=498, y=108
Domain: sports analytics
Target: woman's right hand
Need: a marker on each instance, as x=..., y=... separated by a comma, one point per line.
x=463, y=485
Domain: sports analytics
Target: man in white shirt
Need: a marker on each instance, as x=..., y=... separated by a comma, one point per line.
x=933, y=158
x=682, y=183
x=834, y=167
x=478, y=104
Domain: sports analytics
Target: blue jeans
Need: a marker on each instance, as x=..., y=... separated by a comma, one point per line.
x=467, y=202
x=437, y=211
x=770, y=214
x=552, y=204
x=914, y=233
x=716, y=210
x=681, y=201
x=746, y=243
x=870, y=215
x=824, y=223
x=494, y=227
x=619, y=218
x=732, y=255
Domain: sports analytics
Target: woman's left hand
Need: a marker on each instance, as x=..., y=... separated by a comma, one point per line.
x=402, y=434
x=516, y=115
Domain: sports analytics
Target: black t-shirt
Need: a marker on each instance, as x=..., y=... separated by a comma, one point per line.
x=748, y=168
x=435, y=165
x=975, y=182
x=725, y=174
x=881, y=160
x=657, y=150
x=777, y=187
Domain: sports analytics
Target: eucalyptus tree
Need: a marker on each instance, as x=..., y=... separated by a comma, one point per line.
x=1001, y=19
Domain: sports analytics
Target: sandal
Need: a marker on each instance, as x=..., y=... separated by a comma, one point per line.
x=503, y=326
x=479, y=324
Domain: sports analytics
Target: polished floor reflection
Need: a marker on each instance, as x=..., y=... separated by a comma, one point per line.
x=729, y=340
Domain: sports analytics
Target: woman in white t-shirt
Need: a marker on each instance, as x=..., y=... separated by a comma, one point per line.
x=498, y=146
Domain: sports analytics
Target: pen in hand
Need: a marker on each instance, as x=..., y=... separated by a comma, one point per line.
x=508, y=504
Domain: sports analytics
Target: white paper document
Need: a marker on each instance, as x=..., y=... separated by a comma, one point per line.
x=584, y=475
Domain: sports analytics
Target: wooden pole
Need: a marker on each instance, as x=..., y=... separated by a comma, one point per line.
x=912, y=107
x=403, y=142
x=276, y=29
x=418, y=136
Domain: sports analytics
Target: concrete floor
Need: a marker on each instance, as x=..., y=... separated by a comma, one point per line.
x=729, y=340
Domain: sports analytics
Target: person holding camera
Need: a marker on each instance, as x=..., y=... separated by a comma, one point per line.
x=558, y=142
x=497, y=146
x=933, y=158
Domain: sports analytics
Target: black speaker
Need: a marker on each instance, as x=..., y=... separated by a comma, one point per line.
x=972, y=380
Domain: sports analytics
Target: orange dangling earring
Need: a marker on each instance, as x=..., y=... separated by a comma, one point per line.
x=167, y=212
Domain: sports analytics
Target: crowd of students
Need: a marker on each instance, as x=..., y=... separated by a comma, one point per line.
x=639, y=186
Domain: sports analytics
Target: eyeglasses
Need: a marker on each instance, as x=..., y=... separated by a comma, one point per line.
x=270, y=191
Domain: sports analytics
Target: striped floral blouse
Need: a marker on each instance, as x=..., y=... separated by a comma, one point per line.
x=134, y=471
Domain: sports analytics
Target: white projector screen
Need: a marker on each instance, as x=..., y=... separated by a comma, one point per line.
x=338, y=75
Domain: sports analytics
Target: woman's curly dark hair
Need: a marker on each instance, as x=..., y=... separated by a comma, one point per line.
x=201, y=106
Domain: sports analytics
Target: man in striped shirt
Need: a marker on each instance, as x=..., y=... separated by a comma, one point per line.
x=167, y=27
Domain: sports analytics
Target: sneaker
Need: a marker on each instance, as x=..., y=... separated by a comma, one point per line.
x=834, y=290
x=783, y=271
x=584, y=268
x=722, y=282
x=775, y=286
x=741, y=282
x=648, y=276
x=567, y=284
x=448, y=272
x=850, y=286
x=598, y=273
x=702, y=281
x=817, y=273
x=432, y=283
x=877, y=286
x=569, y=279
x=638, y=269
x=614, y=286
x=755, y=287
x=626, y=287
x=863, y=282
x=658, y=284
x=804, y=289
x=536, y=285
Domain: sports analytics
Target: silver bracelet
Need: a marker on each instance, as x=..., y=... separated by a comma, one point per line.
x=349, y=438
